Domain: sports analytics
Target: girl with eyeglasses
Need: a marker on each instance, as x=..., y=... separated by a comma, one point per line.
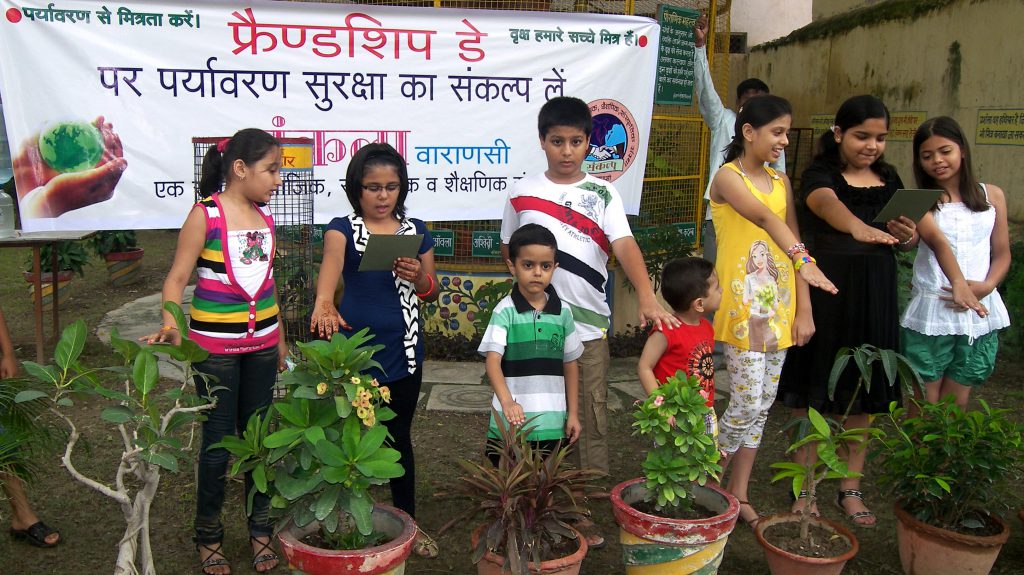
x=387, y=302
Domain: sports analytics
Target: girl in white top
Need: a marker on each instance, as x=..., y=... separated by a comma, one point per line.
x=951, y=321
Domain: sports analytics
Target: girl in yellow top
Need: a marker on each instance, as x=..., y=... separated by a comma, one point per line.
x=765, y=308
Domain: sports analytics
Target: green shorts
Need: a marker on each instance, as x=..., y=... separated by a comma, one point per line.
x=951, y=356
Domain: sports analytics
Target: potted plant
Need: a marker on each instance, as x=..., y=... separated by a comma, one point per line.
x=673, y=518
x=529, y=507
x=317, y=451
x=145, y=420
x=119, y=249
x=71, y=259
x=819, y=545
x=950, y=470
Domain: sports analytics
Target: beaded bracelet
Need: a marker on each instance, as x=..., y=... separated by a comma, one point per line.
x=430, y=287
x=803, y=261
x=797, y=248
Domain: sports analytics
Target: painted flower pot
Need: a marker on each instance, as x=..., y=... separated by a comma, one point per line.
x=491, y=563
x=386, y=559
x=653, y=545
x=785, y=563
x=63, y=292
x=123, y=267
x=929, y=550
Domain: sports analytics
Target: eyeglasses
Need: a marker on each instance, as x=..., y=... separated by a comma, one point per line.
x=377, y=188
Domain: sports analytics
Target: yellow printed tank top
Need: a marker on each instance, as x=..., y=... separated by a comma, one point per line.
x=759, y=295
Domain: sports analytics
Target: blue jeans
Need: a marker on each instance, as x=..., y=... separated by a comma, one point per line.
x=247, y=380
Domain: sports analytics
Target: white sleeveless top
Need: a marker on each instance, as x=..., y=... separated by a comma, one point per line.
x=969, y=235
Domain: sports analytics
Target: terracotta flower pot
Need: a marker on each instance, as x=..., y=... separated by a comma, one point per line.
x=491, y=563
x=654, y=545
x=63, y=292
x=123, y=267
x=785, y=563
x=386, y=559
x=929, y=550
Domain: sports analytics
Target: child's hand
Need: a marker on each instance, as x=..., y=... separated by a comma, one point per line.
x=803, y=328
x=813, y=276
x=963, y=298
x=903, y=229
x=869, y=235
x=171, y=336
x=8, y=367
x=573, y=429
x=514, y=413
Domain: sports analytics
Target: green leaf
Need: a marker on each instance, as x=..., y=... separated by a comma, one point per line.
x=70, y=346
x=361, y=509
x=28, y=395
x=160, y=459
x=259, y=478
x=65, y=402
x=837, y=370
x=819, y=423
x=117, y=414
x=283, y=437
x=44, y=373
x=331, y=454
x=380, y=469
x=145, y=372
x=326, y=502
x=371, y=441
x=178, y=315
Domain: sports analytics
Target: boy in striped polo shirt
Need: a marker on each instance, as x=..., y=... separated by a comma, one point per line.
x=531, y=346
x=587, y=218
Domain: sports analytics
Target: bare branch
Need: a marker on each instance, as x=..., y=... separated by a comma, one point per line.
x=119, y=496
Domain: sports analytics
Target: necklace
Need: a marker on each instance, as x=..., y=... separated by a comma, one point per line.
x=767, y=176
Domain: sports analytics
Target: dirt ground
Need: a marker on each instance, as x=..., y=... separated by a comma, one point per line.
x=91, y=525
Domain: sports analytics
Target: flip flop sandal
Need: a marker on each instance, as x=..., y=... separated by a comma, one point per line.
x=36, y=534
x=752, y=523
x=591, y=533
x=264, y=554
x=215, y=559
x=425, y=546
x=855, y=516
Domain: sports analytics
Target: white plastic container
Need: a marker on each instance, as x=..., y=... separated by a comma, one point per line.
x=6, y=216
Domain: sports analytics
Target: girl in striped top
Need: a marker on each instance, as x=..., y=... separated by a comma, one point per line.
x=229, y=238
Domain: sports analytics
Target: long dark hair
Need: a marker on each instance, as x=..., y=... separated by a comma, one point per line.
x=757, y=111
x=249, y=145
x=369, y=156
x=854, y=112
x=945, y=127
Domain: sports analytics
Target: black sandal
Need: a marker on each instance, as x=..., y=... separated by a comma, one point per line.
x=853, y=517
x=36, y=534
x=215, y=559
x=264, y=554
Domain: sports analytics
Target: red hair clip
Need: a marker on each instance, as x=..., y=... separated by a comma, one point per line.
x=223, y=145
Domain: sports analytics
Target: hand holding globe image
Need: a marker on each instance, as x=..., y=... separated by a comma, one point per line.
x=66, y=166
x=71, y=146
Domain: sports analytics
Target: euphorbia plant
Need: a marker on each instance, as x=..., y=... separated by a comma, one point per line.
x=317, y=451
x=673, y=417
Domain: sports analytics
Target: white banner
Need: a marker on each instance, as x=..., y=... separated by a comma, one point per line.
x=102, y=100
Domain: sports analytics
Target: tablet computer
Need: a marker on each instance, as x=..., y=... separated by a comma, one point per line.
x=913, y=204
x=382, y=249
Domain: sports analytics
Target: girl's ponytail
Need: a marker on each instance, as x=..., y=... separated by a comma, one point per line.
x=212, y=172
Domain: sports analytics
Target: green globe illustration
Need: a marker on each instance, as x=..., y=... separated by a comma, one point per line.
x=71, y=146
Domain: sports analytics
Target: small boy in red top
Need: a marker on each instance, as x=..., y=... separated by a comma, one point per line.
x=690, y=286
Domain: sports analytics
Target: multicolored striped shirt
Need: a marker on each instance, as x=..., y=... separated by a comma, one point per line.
x=224, y=319
x=586, y=217
x=534, y=345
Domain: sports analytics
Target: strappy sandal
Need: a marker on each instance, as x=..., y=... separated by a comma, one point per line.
x=265, y=554
x=804, y=495
x=36, y=534
x=425, y=546
x=215, y=559
x=752, y=523
x=857, y=515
